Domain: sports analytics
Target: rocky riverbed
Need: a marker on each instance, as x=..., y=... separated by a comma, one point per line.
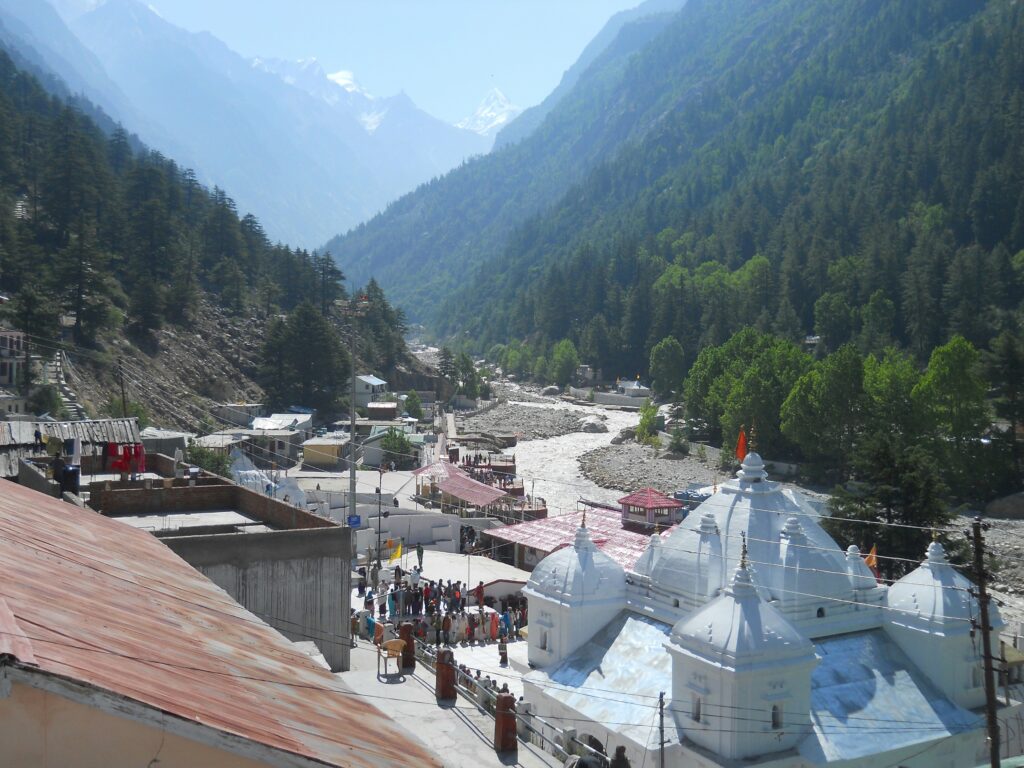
x=630, y=466
x=528, y=422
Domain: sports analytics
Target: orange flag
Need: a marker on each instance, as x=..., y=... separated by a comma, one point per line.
x=871, y=561
x=741, y=445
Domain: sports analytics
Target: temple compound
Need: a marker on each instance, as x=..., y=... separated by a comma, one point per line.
x=772, y=645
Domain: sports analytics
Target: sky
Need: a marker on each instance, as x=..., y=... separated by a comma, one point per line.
x=445, y=54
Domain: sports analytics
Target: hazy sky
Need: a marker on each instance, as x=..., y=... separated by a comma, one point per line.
x=446, y=54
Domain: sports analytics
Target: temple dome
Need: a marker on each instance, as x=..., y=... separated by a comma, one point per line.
x=737, y=629
x=936, y=596
x=579, y=573
x=791, y=557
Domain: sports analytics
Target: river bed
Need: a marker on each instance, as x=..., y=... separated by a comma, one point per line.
x=550, y=467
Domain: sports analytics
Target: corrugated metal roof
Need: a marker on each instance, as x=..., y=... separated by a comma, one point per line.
x=469, y=490
x=112, y=607
x=650, y=498
x=17, y=438
x=552, y=533
x=440, y=470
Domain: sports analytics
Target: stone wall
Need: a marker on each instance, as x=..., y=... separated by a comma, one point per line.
x=299, y=582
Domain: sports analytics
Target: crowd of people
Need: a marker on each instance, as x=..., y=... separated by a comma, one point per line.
x=442, y=612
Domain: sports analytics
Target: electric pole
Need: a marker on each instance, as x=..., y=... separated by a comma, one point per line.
x=661, y=727
x=986, y=643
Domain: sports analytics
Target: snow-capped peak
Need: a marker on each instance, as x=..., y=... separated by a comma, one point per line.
x=347, y=80
x=494, y=112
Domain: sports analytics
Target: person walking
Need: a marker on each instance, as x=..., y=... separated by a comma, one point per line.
x=446, y=628
x=419, y=555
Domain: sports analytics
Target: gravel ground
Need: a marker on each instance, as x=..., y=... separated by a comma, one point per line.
x=630, y=466
x=529, y=423
x=1005, y=539
x=524, y=393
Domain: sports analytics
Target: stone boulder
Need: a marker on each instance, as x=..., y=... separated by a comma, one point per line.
x=551, y=391
x=625, y=435
x=593, y=424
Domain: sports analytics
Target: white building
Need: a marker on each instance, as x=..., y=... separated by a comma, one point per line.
x=772, y=646
x=368, y=389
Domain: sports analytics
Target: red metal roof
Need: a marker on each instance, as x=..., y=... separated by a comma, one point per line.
x=440, y=470
x=469, y=490
x=649, y=498
x=553, y=533
x=111, y=607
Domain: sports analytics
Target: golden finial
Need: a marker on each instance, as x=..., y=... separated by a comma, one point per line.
x=752, y=440
x=743, y=551
x=935, y=534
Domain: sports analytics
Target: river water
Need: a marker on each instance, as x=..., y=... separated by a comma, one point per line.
x=550, y=469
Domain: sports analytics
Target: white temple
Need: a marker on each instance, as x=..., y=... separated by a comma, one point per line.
x=773, y=647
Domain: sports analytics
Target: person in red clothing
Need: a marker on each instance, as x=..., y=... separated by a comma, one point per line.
x=478, y=593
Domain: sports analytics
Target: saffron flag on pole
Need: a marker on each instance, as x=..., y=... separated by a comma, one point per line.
x=397, y=554
x=741, y=445
x=871, y=561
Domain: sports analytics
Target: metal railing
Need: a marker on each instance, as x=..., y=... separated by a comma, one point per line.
x=531, y=728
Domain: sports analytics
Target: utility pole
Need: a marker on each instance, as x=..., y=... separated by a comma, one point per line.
x=661, y=727
x=124, y=400
x=986, y=643
x=352, y=309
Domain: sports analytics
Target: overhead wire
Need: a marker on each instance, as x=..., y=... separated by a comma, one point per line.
x=345, y=691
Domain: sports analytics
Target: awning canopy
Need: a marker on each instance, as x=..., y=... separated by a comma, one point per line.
x=469, y=490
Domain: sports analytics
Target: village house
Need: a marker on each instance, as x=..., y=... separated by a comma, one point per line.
x=632, y=388
x=12, y=356
x=239, y=414
x=368, y=389
x=288, y=566
x=114, y=651
x=12, y=404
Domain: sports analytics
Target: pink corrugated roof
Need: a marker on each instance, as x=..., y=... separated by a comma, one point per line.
x=440, y=470
x=650, y=498
x=111, y=607
x=553, y=533
x=465, y=488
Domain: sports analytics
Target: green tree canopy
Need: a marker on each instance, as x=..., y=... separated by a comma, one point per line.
x=667, y=366
x=564, y=362
x=303, y=362
x=413, y=404
x=397, y=448
x=824, y=412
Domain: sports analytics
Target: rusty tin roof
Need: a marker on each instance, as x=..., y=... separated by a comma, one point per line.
x=97, y=602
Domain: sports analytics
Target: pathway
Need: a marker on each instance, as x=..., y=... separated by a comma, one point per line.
x=458, y=732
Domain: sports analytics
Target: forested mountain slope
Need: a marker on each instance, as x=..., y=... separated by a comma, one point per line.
x=422, y=245
x=653, y=15
x=124, y=250
x=853, y=169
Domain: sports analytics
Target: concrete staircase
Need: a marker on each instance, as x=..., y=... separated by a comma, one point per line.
x=57, y=372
